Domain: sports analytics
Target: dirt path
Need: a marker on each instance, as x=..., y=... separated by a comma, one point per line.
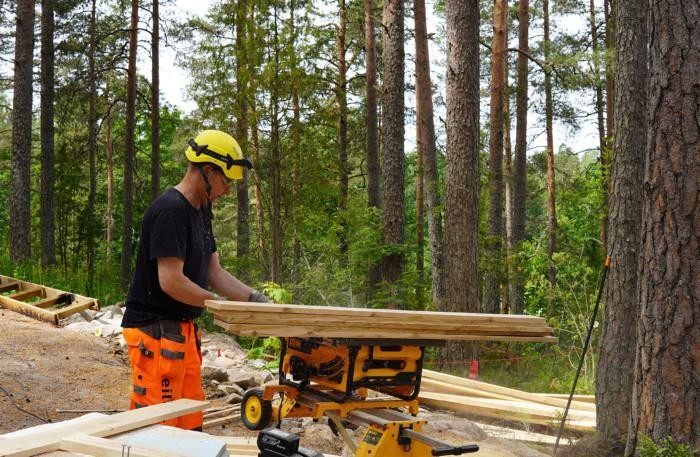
x=44, y=368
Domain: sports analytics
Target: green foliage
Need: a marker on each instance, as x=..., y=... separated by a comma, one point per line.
x=667, y=447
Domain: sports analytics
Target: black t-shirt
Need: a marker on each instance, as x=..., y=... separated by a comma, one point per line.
x=172, y=227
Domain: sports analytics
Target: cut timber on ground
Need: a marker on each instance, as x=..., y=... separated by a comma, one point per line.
x=31, y=444
x=253, y=319
x=14, y=293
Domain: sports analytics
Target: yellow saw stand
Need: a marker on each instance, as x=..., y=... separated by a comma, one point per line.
x=333, y=378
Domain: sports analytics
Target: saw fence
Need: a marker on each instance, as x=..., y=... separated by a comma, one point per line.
x=41, y=302
x=262, y=319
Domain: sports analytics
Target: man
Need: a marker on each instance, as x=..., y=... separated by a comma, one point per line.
x=177, y=263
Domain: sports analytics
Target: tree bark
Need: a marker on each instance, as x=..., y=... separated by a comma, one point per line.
x=426, y=145
x=20, y=222
x=462, y=173
x=618, y=336
x=48, y=180
x=393, y=138
x=516, y=284
x=371, y=126
x=420, y=205
x=373, y=172
x=341, y=97
x=89, y=219
x=549, y=115
x=275, y=163
x=508, y=194
x=666, y=399
x=109, y=223
x=600, y=113
x=492, y=281
x=242, y=215
x=155, y=103
x=129, y=151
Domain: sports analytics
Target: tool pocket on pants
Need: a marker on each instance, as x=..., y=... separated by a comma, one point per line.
x=143, y=354
x=172, y=350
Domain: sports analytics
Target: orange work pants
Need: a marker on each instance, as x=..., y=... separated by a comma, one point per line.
x=166, y=362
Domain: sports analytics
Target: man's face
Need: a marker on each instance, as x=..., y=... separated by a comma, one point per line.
x=220, y=184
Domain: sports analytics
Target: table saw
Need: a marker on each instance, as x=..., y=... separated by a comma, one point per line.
x=366, y=382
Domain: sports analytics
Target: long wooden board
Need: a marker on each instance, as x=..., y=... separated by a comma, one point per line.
x=92, y=445
x=34, y=443
x=378, y=332
x=445, y=383
x=518, y=411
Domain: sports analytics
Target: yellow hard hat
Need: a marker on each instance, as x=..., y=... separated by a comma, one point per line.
x=221, y=149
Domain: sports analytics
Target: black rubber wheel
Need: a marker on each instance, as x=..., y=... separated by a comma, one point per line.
x=256, y=412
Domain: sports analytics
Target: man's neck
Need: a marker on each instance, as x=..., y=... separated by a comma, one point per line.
x=191, y=188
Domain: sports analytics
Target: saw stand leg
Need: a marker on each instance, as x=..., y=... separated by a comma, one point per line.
x=341, y=430
x=393, y=434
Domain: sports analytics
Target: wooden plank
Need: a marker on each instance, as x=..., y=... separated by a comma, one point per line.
x=445, y=383
x=28, y=293
x=35, y=443
x=76, y=308
x=222, y=420
x=92, y=445
x=287, y=309
x=282, y=330
x=581, y=398
x=520, y=411
x=28, y=309
x=14, y=285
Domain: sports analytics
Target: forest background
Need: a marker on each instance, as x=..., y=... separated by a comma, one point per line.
x=477, y=217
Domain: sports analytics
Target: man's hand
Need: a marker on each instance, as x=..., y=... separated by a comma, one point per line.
x=258, y=297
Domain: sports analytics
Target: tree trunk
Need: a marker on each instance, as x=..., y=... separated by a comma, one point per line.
x=665, y=399
x=549, y=115
x=259, y=209
x=618, y=336
x=155, y=103
x=110, y=178
x=373, y=197
x=492, y=281
x=48, y=237
x=20, y=222
x=516, y=284
x=275, y=164
x=371, y=125
x=426, y=129
x=129, y=151
x=89, y=219
x=393, y=138
x=341, y=97
x=462, y=173
x=600, y=112
x=242, y=215
x=420, y=205
x=508, y=181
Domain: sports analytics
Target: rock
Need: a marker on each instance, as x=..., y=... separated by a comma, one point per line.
x=232, y=389
x=233, y=399
x=258, y=364
x=266, y=376
x=116, y=310
x=222, y=362
x=244, y=379
x=214, y=374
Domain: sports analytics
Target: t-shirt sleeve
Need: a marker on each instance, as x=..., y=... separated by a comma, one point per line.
x=169, y=234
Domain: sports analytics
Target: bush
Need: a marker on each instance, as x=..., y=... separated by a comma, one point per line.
x=667, y=447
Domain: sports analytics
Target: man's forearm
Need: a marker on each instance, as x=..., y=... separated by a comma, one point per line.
x=184, y=290
x=229, y=286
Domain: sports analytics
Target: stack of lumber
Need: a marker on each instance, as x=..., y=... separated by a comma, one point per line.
x=263, y=319
x=478, y=398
